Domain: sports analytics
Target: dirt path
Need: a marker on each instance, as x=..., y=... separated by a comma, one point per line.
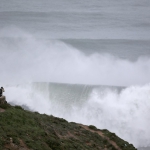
x=102, y=135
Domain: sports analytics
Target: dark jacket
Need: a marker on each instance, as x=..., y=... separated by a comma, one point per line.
x=1, y=92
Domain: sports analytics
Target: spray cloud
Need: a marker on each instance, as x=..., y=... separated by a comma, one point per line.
x=25, y=58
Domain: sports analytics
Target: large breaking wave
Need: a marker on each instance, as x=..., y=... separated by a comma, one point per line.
x=125, y=111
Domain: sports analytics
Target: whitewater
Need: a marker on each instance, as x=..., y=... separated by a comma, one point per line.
x=87, y=62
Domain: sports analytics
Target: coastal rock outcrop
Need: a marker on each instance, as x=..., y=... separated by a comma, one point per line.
x=3, y=100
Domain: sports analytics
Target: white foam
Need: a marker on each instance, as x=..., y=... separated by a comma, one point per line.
x=126, y=114
x=24, y=95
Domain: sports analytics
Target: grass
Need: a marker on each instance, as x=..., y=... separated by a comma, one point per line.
x=43, y=132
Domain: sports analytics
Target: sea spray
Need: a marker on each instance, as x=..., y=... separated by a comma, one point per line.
x=24, y=95
x=28, y=59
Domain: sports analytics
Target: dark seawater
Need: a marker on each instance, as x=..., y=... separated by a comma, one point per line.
x=121, y=48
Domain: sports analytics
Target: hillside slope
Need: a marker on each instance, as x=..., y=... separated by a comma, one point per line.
x=25, y=130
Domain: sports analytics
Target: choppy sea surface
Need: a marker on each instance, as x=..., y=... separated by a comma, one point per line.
x=86, y=61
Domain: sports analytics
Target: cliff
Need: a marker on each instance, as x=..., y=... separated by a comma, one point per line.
x=25, y=130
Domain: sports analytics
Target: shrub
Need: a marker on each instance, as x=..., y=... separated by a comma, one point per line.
x=92, y=127
x=18, y=107
x=54, y=144
x=5, y=106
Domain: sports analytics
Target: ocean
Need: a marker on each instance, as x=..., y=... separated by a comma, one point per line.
x=87, y=62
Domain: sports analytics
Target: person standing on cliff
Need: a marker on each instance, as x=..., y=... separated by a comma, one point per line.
x=1, y=91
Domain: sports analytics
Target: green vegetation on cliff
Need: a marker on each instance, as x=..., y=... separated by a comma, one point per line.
x=25, y=130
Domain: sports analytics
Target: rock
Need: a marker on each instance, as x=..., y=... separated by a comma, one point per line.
x=3, y=100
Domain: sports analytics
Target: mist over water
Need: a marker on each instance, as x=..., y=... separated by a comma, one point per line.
x=28, y=59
